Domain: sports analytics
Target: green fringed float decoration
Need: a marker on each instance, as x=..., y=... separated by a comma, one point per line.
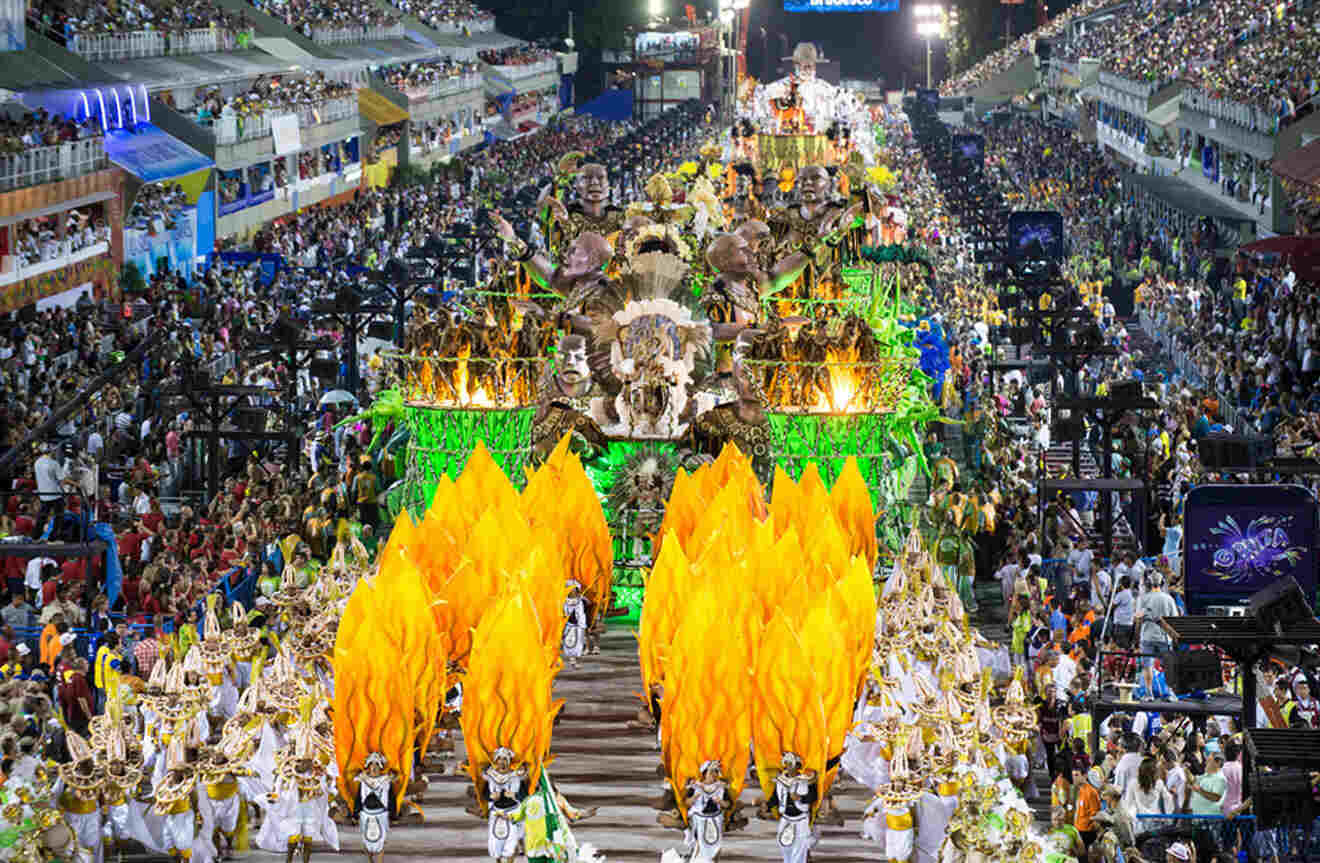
x=442, y=439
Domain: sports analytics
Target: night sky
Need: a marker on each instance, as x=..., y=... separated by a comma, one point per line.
x=869, y=45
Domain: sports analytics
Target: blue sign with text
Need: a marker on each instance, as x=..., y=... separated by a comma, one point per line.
x=152, y=155
x=840, y=5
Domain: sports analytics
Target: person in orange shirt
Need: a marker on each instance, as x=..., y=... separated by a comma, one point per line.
x=1088, y=805
x=50, y=640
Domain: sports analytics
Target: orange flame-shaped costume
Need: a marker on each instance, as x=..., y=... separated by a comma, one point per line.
x=389, y=667
x=506, y=698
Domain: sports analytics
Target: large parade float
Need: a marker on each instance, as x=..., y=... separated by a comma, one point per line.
x=761, y=295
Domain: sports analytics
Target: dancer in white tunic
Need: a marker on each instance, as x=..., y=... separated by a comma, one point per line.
x=78, y=794
x=708, y=801
x=375, y=802
x=505, y=789
x=794, y=792
x=575, y=624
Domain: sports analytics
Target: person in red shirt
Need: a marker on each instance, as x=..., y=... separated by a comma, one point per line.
x=153, y=520
x=75, y=696
x=24, y=522
x=74, y=569
x=130, y=545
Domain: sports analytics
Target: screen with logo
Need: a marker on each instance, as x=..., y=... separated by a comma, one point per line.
x=1241, y=538
x=1035, y=235
x=969, y=148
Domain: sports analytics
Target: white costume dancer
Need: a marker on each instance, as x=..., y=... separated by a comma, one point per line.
x=505, y=790
x=375, y=783
x=575, y=624
x=705, y=831
x=795, y=792
x=77, y=792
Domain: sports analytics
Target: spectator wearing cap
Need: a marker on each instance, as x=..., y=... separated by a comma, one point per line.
x=1180, y=852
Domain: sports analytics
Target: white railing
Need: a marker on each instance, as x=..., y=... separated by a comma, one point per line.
x=1229, y=110
x=1156, y=326
x=342, y=35
x=514, y=72
x=446, y=87
x=472, y=25
x=135, y=44
x=228, y=130
x=22, y=271
x=1135, y=89
x=40, y=165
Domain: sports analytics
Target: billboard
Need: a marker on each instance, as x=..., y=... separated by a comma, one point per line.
x=840, y=5
x=1241, y=538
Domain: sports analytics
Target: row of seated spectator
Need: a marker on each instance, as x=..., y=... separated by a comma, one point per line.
x=1185, y=39
x=447, y=15
x=268, y=94
x=1000, y=60
x=38, y=240
x=405, y=76
x=1275, y=72
x=515, y=55
x=307, y=15
x=75, y=18
x=41, y=129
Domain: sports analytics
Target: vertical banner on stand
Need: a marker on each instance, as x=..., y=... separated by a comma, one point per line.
x=205, y=222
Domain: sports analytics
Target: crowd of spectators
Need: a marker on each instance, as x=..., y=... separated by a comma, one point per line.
x=1275, y=72
x=1081, y=627
x=998, y=61
x=410, y=76
x=91, y=17
x=447, y=15
x=268, y=94
x=306, y=16
x=156, y=203
x=1183, y=40
x=41, y=128
x=516, y=55
x=37, y=240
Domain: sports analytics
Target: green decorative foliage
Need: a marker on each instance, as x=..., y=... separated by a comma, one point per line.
x=442, y=439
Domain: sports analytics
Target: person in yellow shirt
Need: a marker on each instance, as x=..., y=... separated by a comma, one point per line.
x=105, y=672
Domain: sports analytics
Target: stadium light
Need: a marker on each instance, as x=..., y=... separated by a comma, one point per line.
x=655, y=7
x=740, y=5
x=930, y=25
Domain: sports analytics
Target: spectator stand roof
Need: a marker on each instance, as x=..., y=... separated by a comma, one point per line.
x=1181, y=196
x=1301, y=165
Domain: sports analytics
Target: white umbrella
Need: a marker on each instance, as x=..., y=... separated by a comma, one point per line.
x=338, y=397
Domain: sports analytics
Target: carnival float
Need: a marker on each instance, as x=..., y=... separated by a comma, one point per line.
x=762, y=295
